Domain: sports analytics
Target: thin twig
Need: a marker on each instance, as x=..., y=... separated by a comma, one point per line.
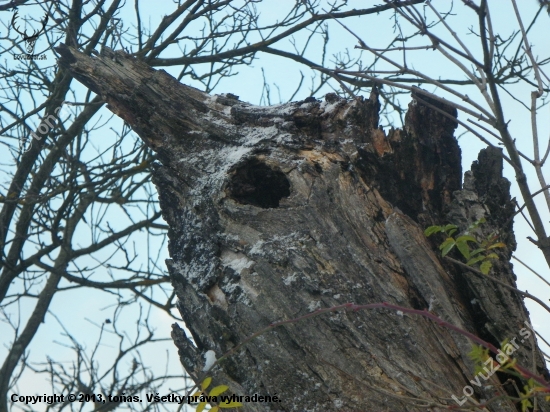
x=531, y=269
x=500, y=282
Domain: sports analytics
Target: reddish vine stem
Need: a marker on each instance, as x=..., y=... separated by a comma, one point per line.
x=383, y=305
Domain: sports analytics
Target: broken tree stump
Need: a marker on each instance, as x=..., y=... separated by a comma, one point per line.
x=275, y=212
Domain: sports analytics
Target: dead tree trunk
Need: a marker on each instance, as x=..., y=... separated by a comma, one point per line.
x=275, y=212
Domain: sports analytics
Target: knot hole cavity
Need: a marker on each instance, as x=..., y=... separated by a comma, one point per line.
x=257, y=184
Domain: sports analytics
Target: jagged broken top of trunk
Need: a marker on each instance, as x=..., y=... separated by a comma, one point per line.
x=175, y=119
x=277, y=211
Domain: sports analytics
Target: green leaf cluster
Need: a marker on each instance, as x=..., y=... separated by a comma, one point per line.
x=473, y=250
x=531, y=389
x=216, y=391
x=478, y=355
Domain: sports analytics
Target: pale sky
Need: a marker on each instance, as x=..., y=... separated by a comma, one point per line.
x=80, y=311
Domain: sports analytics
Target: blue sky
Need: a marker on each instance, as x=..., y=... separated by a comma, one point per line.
x=92, y=308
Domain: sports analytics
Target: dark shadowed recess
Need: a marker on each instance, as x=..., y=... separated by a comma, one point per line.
x=255, y=183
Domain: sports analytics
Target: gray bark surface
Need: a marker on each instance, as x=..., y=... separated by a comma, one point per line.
x=275, y=212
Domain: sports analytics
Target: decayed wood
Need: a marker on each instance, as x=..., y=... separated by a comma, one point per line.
x=277, y=211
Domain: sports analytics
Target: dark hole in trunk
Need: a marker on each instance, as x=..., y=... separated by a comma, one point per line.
x=255, y=183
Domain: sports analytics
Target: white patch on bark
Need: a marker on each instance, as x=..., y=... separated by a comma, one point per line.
x=289, y=279
x=209, y=359
x=314, y=305
x=236, y=261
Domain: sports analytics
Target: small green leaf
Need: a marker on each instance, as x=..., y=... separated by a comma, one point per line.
x=478, y=353
x=206, y=383
x=485, y=267
x=475, y=260
x=447, y=246
x=431, y=230
x=200, y=407
x=449, y=227
x=450, y=233
x=499, y=244
x=476, y=251
x=230, y=405
x=446, y=242
x=218, y=389
x=463, y=248
x=491, y=256
x=525, y=405
x=466, y=238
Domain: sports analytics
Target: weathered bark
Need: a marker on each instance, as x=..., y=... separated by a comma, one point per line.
x=277, y=211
